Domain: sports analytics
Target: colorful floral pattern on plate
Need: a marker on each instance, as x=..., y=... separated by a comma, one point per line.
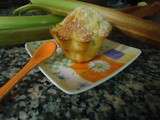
x=73, y=78
x=97, y=69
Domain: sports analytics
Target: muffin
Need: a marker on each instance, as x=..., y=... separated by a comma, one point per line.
x=82, y=33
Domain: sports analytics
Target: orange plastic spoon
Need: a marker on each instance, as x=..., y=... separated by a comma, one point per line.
x=43, y=52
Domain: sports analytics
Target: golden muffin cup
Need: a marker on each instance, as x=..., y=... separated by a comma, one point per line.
x=81, y=34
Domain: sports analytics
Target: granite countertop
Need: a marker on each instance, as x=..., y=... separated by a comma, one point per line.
x=132, y=94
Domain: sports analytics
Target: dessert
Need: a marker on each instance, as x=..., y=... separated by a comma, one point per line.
x=82, y=33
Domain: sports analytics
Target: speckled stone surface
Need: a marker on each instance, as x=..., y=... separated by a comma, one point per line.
x=132, y=94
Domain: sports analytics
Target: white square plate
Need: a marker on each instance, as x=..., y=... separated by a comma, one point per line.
x=74, y=78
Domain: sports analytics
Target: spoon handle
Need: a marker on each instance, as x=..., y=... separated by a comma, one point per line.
x=17, y=78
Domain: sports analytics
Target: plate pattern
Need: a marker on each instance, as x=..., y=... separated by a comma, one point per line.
x=74, y=78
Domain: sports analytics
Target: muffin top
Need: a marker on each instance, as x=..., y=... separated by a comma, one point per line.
x=84, y=25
